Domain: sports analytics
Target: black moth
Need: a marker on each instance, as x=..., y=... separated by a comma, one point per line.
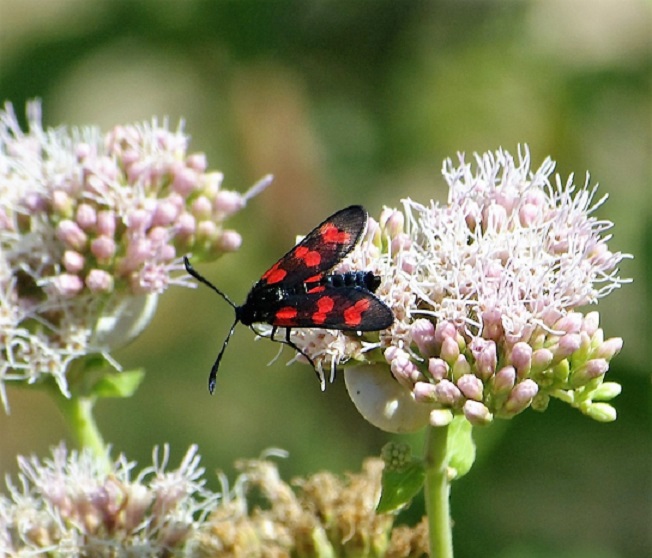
x=298, y=290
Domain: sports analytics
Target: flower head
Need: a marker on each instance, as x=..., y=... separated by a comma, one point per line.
x=89, y=221
x=486, y=292
x=72, y=504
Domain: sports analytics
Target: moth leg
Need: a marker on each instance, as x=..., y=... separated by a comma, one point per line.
x=288, y=341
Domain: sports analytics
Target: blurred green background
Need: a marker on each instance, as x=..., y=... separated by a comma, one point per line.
x=359, y=102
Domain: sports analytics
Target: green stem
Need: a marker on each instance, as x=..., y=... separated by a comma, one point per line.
x=437, y=492
x=78, y=413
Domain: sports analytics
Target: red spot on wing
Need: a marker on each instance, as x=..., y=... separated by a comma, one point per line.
x=332, y=235
x=285, y=316
x=314, y=278
x=324, y=306
x=311, y=258
x=317, y=289
x=353, y=314
x=274, y=274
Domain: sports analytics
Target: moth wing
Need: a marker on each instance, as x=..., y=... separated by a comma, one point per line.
x=346, y=309
x=319, y=251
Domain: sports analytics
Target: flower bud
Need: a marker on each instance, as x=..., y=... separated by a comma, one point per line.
x=602, y=412
x=608, y=349
x=521, y=358
x=99, y=281
x=541, y=359
x=504, y=380
x=471, y=386
x=592, y=369
x=477, y=413
x=229, y=241
x=450, y=350
x=437, y=368
x=424, y=392
x=460, y=367
x=67, y=285
x=521, y=396
x=606, y=391
x=73, y=261
x=71, y=234
x=441, y=417
x=86, y=216
x=448, y=393
x=423, y=336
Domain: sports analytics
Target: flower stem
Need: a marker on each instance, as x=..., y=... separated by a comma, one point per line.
x=78, y=413
x=437, y=492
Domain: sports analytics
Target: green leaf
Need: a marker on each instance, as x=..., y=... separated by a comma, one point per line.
x=119, y=384
x=461, y=448
x=399, y=487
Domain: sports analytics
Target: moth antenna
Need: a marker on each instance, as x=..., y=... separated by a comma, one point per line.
x=212, y=377
x=192, y=271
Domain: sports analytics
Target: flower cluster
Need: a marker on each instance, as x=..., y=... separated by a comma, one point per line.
x=92, y=228
x=71, y=505
x=485, y=291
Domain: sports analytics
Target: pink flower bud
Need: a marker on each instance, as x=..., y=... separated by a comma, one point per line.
x=521, y=396
x=471, y=386
x=443, y=330
x=186, y=225
x=185, y=181
x=541, y=359
x=73, y=261
x=103, y=248
x=106, y=223
x=99, y=281
x=423, y=335
x=228, y=202
x=86, y=216
x=403, y=369
x=567, y=345
x=202, y=208
x=608, y=349
x=437, y=368
x=504, y=380
x=424, y=392
x=67, y=285
x=521, y=357
x=395, y=223
x=448, y=393
x=484, y=352
x=591, y=323
x=229, y=241
x=164, y=214
x=477, y=413
x=197, y=162
x=590, y=370
x=570, y=323
x=71, y=235
x=139, y=220
x=450, y=350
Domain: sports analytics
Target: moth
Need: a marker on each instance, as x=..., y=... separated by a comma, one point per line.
x=301, y=291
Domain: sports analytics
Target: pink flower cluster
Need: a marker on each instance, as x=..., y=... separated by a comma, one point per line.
x=88, y=220
x=485, y=291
